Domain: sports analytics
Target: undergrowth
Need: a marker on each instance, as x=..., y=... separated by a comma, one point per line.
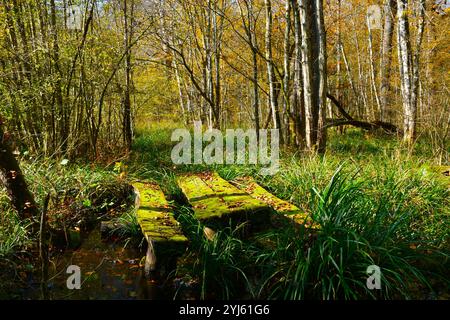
x=378, y=203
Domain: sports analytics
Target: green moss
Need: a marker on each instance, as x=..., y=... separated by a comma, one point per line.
x=280, y=206
x=236, y=198
x=204, y=201
x=154, y=215
x=213, y=197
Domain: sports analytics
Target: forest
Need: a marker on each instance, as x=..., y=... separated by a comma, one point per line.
x=120, y=177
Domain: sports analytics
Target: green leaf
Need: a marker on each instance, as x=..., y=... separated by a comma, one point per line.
x=87, y=203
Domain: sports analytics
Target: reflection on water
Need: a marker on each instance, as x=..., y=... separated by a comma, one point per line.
x=108, y=271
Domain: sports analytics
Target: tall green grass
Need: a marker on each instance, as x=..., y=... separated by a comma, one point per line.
x=80, y=194
x=374, y=199
x=216, y=264
x=13, y=233
x=357, y=230
x=374, y=203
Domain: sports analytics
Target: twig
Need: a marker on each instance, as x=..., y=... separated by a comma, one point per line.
x=43, y=247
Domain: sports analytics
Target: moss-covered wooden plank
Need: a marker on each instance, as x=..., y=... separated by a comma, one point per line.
x=204, y=201
x=155, y=216
x=234, y=197
x=162, y=232
x=215, y=199
x=283, y=207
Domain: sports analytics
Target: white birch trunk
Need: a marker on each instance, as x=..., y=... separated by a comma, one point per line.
x=405, y=65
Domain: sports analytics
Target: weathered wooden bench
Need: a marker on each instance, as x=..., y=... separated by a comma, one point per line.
x=218, y=203
x=155, y=217
x=284, y=209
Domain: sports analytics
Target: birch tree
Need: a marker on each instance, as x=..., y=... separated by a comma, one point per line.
x=321, y=67
x=272, y=78
x=386, y=55
x=286, y=69
x=304, y=7
x=298, y=108
x=313, y=48
x=249, y=24
x=373, y=76
x=409, y=66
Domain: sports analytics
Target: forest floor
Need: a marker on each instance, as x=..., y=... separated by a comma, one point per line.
x=378, y=203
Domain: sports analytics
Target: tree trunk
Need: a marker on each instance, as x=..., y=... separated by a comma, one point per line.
x=409, y=69
x=349, y=73
x=321, y=62
x=127, y=128
x=286, y=67
x=250, y=31
x=180, y=92
x=314, y=64
x=298, y=103
x=361, y=81
x=373, y=75
x=62, y=112
x=338, y=90
x=217, y=32
x=12, y=178
x=416, y=57
x=255, y=92
x=386, y=56
x=307, y=70
x=209, y=65
x=273, y=96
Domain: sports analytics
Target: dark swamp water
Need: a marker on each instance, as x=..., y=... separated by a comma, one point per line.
x=109, y=271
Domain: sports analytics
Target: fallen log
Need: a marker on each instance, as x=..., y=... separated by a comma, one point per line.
x=369, y=126
x=349, y=120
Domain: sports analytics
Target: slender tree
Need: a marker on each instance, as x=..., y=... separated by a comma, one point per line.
x=307, y=69
x=373, y=73
x=12, y=178
x=314, y=59
x=272, y=78
x=386, y=55
x=286, y=70
x=322, y=88
x=409, y=66
x=128, y=13
x=298, y=108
